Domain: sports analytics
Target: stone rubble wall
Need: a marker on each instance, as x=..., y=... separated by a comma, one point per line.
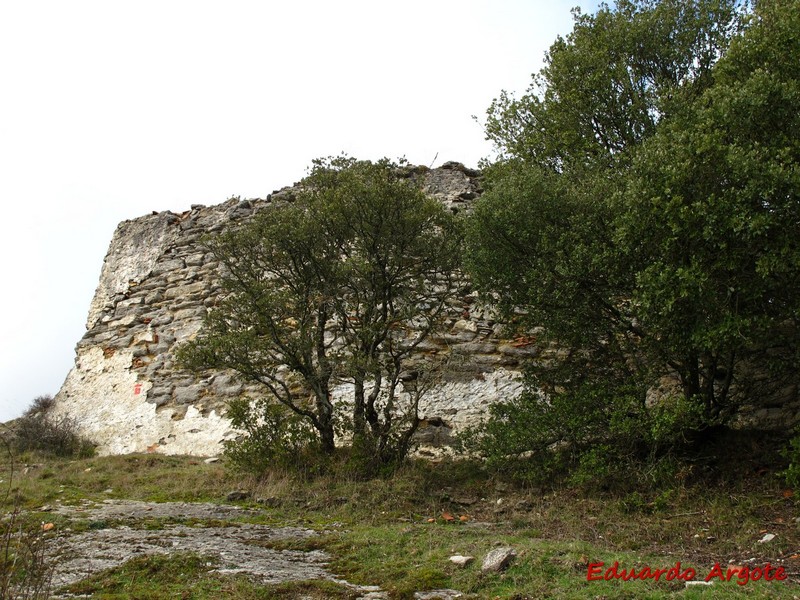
x=157, y=284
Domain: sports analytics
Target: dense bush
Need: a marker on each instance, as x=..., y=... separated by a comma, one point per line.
x=275, y=438
x=792, y=454
x=591, y=433
x=38, y=429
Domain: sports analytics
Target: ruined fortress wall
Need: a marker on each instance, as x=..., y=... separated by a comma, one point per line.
x=157, y=284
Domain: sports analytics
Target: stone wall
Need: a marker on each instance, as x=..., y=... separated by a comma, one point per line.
x=157, y=284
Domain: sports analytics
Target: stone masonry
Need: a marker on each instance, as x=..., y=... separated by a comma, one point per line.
x=156, y=285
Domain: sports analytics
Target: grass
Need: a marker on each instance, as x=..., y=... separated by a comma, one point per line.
x=43, y=480
x=378, y=532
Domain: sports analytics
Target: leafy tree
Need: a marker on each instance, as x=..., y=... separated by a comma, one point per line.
x=715, y=195
x=611, y=81
x=338, y=286
x=644, y=210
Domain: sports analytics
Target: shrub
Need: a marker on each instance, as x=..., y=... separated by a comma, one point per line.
x=38, y=429
x=25, y=572
x=276, y=438
x=589, y=433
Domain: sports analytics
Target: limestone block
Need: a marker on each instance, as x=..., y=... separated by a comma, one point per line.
x=461, y=561
x=195, y=260
x=161, y=319
x=518, y=351
x=183, y=291
x=167, y=266
x=464, y=325
x=134, y=250
x=188, y=394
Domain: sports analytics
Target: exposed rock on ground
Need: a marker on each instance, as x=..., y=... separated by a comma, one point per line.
x=235, y=547
x=135, y=510
x=438, y=595
x=498, y=560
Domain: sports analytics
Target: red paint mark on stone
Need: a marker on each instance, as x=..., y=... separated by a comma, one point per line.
x=137, y=389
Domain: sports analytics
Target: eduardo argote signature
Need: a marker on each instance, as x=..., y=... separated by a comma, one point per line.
x=598, y=571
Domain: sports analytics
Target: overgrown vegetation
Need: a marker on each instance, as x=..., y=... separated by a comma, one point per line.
x=186, y=575
x=640, y=227
x=25, y=569
x=38, y=429
x=644, y=216
x=275, y=437
x=25, y=566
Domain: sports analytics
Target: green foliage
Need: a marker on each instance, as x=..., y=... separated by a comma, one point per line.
x=155, y=576
x=377, y=532
x=645, y=212
x=190, y=575
x=607, y=85
x=336, y=287
x=594, y=432
x=38, y=429
x=275, y=437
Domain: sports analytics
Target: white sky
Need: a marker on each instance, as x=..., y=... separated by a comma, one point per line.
x=110, y=110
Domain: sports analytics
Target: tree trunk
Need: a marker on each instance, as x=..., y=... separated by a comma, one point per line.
x=327, y=438
x=359, y=418
x=325, y=418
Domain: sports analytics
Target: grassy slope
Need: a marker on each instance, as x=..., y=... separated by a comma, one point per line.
x=378, y=531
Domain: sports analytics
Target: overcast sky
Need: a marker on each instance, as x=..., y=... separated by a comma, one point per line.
x=110, y=110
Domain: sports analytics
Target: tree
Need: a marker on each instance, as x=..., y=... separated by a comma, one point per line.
x=607, y=85
x=715, y=194
x=337, y=287
x=643, y=211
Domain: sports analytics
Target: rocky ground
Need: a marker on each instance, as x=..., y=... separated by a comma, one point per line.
x=120, y=530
